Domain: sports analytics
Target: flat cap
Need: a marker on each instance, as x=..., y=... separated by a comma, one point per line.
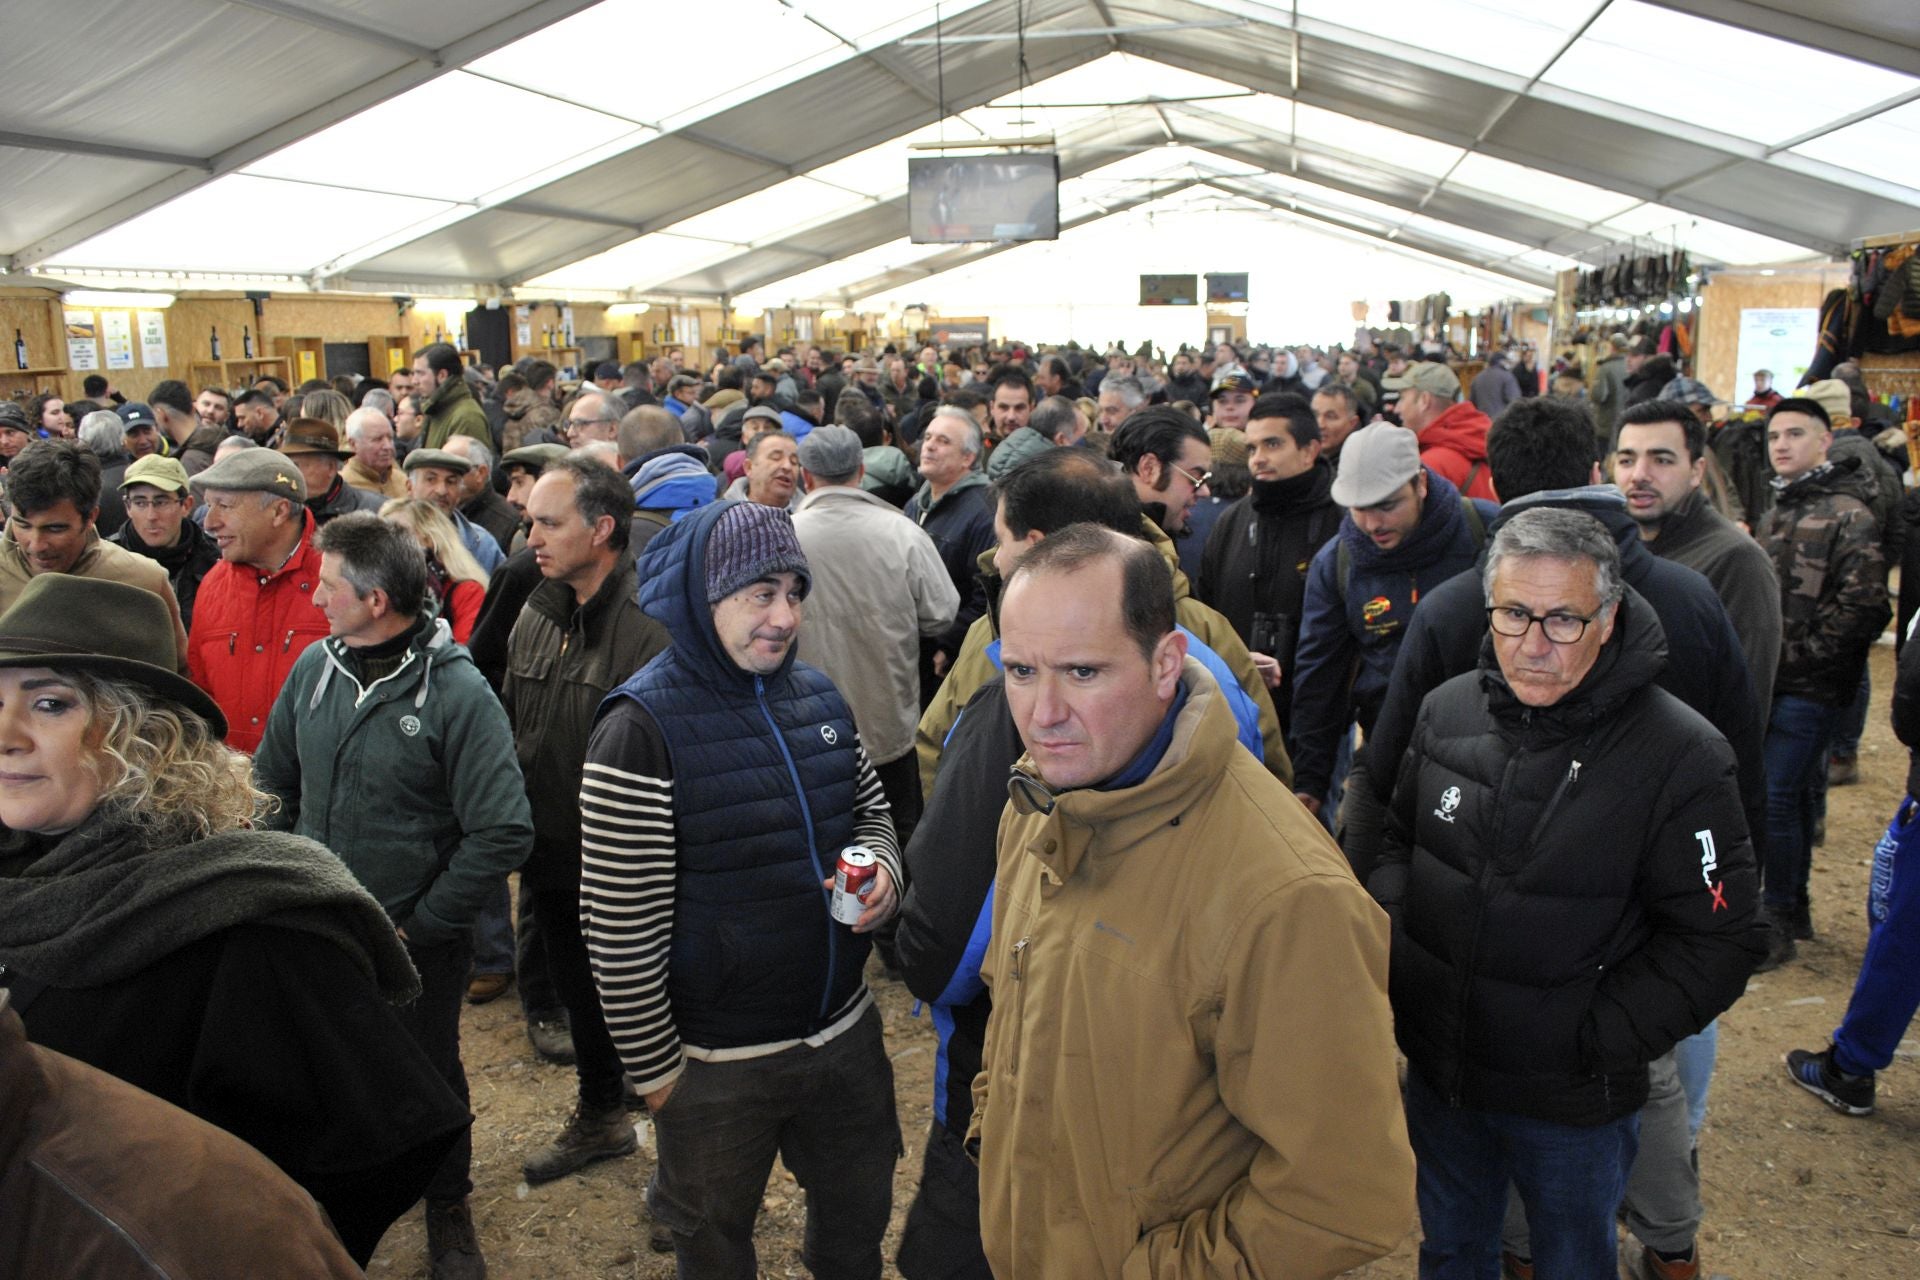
x=256, y=471
x=534, y=457
x=436, y=458
x=1374, y=462
x=831, y=451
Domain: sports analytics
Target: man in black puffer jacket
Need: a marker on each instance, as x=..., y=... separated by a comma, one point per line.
x=1573, y=892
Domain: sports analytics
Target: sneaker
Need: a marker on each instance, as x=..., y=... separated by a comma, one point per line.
x=1646, y=1264
x=1815, y=1072
x=552, y=1039
x=589, y=1136
x=1842, y=771
x=1515, y=1267
x=1780, y=947
x=451, y=1244
x=488, y=986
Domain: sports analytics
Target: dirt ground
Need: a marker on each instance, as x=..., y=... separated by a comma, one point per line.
x=1791, y=1188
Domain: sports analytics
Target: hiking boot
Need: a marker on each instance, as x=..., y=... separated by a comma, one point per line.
x=1815, y=1072
x=552, y=1039
x=451, y=1244
x=1648, y=1264
x=1780, y=948
x=1820, y=832
x=488, y=986
x=589, y=1136
x=1801, y=922
x=1842, y=771
x=1515, y=1267
x=659, y=1239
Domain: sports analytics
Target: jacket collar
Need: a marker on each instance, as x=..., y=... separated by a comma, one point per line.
x=1087, y=822
x=843, y=494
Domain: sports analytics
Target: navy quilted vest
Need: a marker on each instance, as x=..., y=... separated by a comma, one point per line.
x=764, y=774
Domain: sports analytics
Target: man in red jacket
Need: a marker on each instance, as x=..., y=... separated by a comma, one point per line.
x=1453, y=434
x=254, y=613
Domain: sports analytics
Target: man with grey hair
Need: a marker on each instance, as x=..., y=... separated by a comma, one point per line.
x=103, y=435
x=594, y=415
x=954, y=508
x=1059, y=421
x=878, y=587
x=480, y=502
x=1120, y=396
x=1568, y=871
x=370, y=435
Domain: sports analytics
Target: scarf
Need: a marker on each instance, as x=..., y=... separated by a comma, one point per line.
x=103, y=902
x=1440, y=520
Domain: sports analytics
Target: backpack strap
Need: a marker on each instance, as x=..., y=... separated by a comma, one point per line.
x=1475, y=522
x=1473, y=473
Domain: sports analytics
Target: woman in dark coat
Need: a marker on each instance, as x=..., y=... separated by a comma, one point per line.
x=148, y=930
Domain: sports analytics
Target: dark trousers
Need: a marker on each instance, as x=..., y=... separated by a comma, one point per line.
x=942, y=1236
x=1570, y=1178
x=538, y=999
x=829, y=1115
x=1795, y=755
x=557, y=909
x=900, y=783
x=433, y=1020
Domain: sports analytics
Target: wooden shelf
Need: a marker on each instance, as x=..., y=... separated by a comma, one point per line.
x=381, y=349
x=231, y=373
x=24, y=384
x=296, y=350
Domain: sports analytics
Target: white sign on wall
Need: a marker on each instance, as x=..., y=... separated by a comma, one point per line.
x=1782, y=339
x=153, y=338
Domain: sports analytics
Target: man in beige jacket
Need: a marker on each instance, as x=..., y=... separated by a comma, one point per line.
x=53, y=488
x=1189, y=1068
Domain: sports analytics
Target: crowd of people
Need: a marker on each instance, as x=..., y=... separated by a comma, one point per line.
x=1222, y=729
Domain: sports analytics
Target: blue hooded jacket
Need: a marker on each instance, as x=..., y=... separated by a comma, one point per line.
x=672, y=479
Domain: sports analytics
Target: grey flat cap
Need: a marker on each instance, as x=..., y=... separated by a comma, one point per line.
x=831, y=451
x=436, y=458
x=254, y=471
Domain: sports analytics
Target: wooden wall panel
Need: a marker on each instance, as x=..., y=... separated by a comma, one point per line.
x=1727, y=294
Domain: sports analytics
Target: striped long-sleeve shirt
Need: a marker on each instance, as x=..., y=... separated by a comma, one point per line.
x=628, y=863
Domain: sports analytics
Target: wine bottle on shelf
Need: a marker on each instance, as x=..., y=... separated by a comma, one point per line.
x=246, y=341
x=19, y=349
x=216, y=341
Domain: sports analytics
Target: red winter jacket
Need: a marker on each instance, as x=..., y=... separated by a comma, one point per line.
x=1453, y=444
x=248, y=628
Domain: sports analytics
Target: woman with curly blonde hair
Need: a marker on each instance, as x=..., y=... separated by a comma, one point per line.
x=149, y=930
x=458, y=583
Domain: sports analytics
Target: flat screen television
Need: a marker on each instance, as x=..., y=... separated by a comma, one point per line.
x=1169, y=291
x=961, y=199
x=1225, y=286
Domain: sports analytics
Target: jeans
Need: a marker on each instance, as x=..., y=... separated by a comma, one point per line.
x=941, y=1240
x=433, y=1020
x=828, y=1112
x=1853, y=718
x=493, y=933
x=1694, y=1058
x=1887, y=992
x=1663, y=1186
x=1796, y=750
x=596, y=1061
x=1570, y=1177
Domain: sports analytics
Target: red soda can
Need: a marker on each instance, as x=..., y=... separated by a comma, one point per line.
x=853, y=880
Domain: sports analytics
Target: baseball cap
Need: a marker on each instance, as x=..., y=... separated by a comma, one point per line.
x=137, y=413
x=1374, y=462
x=1231, y=377
x=161, y=473
x=1434, y=379
x=831, y=450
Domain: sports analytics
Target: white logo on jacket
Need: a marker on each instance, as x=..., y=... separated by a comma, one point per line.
x=410, y=725
x=1449, y=801
x=827, y=734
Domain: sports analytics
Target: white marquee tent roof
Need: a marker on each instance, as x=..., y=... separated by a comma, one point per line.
x=563, y=147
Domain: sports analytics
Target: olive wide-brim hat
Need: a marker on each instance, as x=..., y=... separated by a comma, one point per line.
x=104, y=628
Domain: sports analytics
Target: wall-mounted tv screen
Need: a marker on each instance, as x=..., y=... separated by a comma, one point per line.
x=957, y=199
x=1169, y=291
x=1225, y=286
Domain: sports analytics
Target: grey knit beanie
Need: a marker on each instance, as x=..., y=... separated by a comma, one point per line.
x=750, y=542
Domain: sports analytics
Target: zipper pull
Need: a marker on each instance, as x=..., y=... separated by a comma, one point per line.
x=287, y=644
x=233, y=638
x=1019, y=957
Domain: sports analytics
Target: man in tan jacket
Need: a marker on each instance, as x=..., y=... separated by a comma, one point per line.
x=1189, y=1068
x=53, y=487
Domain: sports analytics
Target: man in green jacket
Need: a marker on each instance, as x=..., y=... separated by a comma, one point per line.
x=387, y=745
x=445, y=399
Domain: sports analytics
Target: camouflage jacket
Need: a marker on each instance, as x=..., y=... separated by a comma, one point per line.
x=1825, y=548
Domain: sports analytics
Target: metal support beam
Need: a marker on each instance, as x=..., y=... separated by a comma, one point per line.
x=78, y=147
x=1067, y=33
x=1826, y=32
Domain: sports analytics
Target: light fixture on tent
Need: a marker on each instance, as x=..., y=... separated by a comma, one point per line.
x=832, y=313
x=117, y=298
x=749, y=313
x=629, y=309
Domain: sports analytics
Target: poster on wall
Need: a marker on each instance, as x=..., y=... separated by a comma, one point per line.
x=1782, y=339
x=153, y=338
x=83, y=341
x=116, y=329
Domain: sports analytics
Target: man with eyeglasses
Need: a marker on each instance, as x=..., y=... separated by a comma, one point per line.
x=594, y=416
x=1573, y=892
x=158, y=503
x=1168, y=456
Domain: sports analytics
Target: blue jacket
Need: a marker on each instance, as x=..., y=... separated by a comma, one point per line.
x=1350, y=632
x=673, y=479
x=765, y=770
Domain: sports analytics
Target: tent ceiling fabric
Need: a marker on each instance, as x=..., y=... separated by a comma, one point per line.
x=294, y=138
